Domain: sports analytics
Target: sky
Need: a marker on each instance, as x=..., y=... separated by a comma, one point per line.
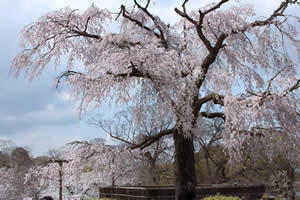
x=34, y=113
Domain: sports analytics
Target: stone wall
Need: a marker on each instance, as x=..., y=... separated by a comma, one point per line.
x=249, y=192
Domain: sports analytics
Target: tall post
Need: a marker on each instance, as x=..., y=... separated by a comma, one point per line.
x=60, y=163
x=60, y=180
x=113, y=173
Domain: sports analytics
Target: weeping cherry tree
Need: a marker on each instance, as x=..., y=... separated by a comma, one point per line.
x=218, y=61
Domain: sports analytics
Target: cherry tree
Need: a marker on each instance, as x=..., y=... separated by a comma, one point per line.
x=277, y=154
x=5, y=185
x=110, y=165
x=201, y=62
x=83, y=166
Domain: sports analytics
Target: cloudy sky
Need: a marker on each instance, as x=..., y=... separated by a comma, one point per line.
x=34, y=113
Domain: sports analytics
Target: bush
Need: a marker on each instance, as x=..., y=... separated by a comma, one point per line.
x=219, y=197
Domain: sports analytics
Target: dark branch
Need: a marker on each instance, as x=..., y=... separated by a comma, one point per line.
x=151, y=139
x=294, y=87
x=116, y=137
x=216, y=98
x=279, y=12
x=213, y=115
x=215, y=7
x=140, y=24
x=118, y=77
x=199, y=24
x=144, y=9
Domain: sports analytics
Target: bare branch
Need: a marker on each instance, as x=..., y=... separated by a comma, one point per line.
x=151, y=139
x=216, y=98
x=215, y=7
x=116, y=137
x=213, y=115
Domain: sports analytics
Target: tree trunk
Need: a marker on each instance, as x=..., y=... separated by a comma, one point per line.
x=184, y=166
x=207, y=163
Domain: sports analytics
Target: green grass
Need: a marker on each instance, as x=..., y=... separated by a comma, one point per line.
x=219, y=197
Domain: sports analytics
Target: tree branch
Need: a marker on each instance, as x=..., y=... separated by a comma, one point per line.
x=277, y=13
x=267, y=92
x=199, y=24
x=116, y=137
x=151, y=139
x=213, y=115
x=216, y=98
x=140, y=24
x=294, y=87
x=119, y=77
x=144, y=9
x=215, y=7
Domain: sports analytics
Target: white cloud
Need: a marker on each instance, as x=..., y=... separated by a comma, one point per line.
x=41, y=139
x=50, y=114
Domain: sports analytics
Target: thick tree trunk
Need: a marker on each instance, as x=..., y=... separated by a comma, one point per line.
x=184, y=167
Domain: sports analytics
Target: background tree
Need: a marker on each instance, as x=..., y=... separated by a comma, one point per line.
x=180, y=67
x=132, y=127
x=4, y=159
x=16, y=165
x=6, y=146
x=209, y=135
x=282, y=165
x=5, y=185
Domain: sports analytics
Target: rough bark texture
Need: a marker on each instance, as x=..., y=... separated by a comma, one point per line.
x=184, y=167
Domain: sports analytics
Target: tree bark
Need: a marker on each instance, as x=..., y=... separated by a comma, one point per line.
x=207, y=163
x=184, y=166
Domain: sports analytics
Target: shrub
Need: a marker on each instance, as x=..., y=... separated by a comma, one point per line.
x=219, y=197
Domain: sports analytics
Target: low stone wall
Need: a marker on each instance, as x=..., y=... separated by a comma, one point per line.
x=249, y=192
